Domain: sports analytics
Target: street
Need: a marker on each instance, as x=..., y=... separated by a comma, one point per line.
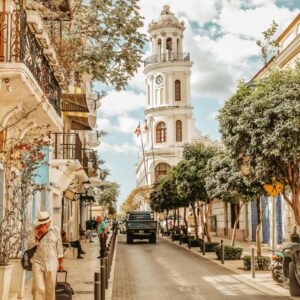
x=165, y=271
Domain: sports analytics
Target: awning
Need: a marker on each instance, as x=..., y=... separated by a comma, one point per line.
x=74, y=103
x=80, y=123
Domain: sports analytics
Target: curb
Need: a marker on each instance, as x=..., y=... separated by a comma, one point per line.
x=111, y=280
x=243, y=278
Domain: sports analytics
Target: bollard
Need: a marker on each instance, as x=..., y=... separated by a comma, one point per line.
x=97, y=287
x=103, y=280
x=106, y=270
x=108, y=264
x=222, y=252
x=253, y=262
x=203, y=245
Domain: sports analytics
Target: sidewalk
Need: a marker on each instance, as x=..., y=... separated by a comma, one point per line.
x=262, y=280
x=81, y=273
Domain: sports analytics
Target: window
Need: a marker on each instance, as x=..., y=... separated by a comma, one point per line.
x=178, y=131
x=169, y=44
x=161, y=133
x=177, y=90
x=161, y=170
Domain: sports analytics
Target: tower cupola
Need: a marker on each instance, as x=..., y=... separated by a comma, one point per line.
x=167, y=35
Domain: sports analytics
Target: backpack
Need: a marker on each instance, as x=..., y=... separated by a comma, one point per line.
x=27, y=256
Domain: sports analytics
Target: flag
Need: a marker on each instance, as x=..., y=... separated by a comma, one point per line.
x=146, y=128
x=138, y=130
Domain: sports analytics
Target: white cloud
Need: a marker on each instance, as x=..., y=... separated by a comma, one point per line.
x=104, y=124
x=126, y=124
x=251, y=22
x=119, y=103
x=124, y=148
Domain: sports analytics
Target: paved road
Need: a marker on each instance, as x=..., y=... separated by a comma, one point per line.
x=165, y=271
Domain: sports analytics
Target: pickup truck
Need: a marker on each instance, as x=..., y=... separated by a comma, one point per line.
x=141, y=225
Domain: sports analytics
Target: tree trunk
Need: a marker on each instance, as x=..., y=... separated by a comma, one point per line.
x=207, y=213
x=258, y=227
x=167, y=217
x=174, y=218
x=236, y=221
x=178, y=223
x=195, y=221
x=185, y=220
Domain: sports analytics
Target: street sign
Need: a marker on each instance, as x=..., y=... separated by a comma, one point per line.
x=273, y=189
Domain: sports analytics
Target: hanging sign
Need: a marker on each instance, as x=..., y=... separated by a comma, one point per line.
x=273, y=189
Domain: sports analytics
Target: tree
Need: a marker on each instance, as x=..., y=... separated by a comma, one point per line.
x=260, y=127
x=107, y=195
x=104, y=40
x=190, y=181
x=20, y=158
x=226, y=182
x=269, y=44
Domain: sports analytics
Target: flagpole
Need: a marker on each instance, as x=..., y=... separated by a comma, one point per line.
x=143, y=149
x=152, y=148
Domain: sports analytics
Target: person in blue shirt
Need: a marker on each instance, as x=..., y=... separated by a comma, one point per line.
x=102, y=233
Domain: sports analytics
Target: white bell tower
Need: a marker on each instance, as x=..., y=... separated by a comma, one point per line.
x=168, y=117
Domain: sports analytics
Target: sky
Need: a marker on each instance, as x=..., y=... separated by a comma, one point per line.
x=221, y=37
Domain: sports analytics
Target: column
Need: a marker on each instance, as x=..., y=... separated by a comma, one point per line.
x=164, y=46
x=189, y=124
x=165, y=87
x=170, y=130
x=188, y=90
x=170, y=88
x=174, y=46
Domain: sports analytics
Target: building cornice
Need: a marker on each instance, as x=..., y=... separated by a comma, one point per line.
x=167, y=108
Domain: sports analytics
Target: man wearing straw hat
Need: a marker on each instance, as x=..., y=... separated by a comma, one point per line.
x=48, y=257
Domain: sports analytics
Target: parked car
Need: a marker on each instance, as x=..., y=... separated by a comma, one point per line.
x=291, y=267
x=141, y=225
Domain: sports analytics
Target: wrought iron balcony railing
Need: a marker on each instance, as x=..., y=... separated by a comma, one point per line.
x=69, y=146
x=166, y=57
x=19, y=45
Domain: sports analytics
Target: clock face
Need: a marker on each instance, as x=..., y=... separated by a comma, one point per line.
x=159, y=80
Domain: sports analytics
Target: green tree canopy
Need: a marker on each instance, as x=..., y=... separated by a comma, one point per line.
x=103, y=40
x=260, y=127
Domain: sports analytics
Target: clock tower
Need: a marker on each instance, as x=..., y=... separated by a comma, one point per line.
x=168, y=118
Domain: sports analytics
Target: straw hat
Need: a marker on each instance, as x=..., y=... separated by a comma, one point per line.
x=42, y=218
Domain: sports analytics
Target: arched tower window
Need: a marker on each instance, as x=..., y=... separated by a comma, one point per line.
x=161, y=170
x=169, y=44
x=159, y=45
x=177, y=90
x=178, y=131
x=161, y=133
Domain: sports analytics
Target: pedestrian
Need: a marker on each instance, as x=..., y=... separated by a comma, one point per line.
x=86, y=233
x=47, y=258
x=74, y=244
x=102, y=233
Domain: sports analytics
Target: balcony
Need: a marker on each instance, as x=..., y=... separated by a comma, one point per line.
x=20, y=46
x=69, y=146
x=166, y=58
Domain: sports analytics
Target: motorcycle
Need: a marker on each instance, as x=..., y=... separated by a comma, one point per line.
x=276, y=267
